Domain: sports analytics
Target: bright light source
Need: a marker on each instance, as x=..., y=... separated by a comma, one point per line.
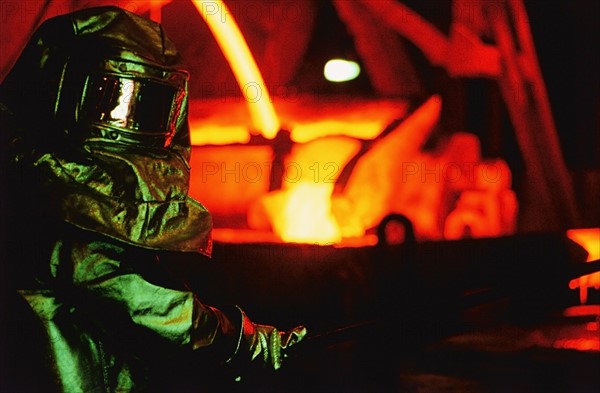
x=339, y=70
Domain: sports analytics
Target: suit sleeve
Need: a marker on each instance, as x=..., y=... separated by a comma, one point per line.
x=118, y=291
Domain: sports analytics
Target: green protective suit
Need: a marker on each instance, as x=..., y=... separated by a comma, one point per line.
x=96, y=148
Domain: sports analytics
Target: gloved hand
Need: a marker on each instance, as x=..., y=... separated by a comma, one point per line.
x=266, y=344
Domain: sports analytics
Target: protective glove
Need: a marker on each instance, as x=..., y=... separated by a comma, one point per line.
x=265, y=344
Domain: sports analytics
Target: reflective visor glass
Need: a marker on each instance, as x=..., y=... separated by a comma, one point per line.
x=136, y=105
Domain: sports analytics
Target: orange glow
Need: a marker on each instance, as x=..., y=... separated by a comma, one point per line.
x=304, y=211
x=234, y=180
x=246, y=236
x=218, y=134
x=229, y=179
x=231, y=41
x=362, y=128
x=448, y=193
x=221, y=121
x=589, y=239
x=582, y=311
x=592, y=326
x=302, y=214
x=579, y=344
x=577, y=336
x=379, y=179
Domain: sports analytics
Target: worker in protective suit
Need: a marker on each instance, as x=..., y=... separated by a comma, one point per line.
x=96, y=151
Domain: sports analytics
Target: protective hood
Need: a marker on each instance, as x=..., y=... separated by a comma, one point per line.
x=116, y=164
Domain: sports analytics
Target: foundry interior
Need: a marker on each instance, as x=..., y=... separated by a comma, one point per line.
x=416, y=182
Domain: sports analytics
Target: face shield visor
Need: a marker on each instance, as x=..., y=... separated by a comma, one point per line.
x=132, y=108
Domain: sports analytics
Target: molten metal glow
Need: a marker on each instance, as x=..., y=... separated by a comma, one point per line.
x=582, y=311
x=212, y=134
x=590, y=240
x=231, y=41
x=338, y=70
x=579, y=344
x=222, y=121
x=305, y=214
x=394, y=175
x=305, y=211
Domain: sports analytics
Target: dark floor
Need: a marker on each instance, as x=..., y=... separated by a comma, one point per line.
x=469, y=316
